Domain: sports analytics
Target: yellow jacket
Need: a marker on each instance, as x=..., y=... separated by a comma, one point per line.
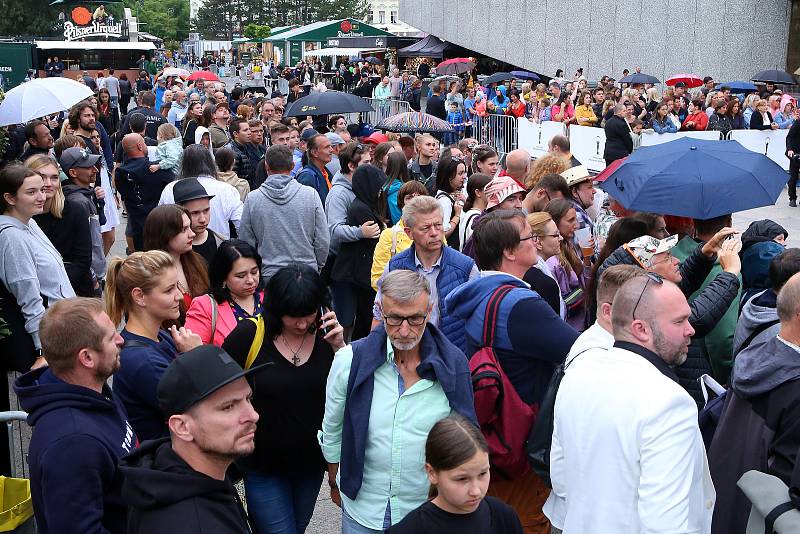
x=585, y=112
x=383, y=250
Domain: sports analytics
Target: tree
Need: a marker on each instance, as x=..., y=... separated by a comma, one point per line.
x=166, y=19
x=339, y=9
x=30, y=18
x=257, y=31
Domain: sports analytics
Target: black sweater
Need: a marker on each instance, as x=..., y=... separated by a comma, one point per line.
x=618, y=139
x=70, y=235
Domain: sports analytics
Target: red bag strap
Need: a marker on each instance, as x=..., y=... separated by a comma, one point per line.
x=492, y=309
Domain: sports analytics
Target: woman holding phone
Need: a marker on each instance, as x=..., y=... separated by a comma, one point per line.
x=282, y=478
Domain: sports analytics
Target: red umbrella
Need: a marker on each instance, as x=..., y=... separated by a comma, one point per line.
x=455, y=66
x=690, y=80
x=204, y=75
x=608, y=171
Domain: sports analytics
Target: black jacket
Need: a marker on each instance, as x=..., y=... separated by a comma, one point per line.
x=793, y=138
x=619, y=143
x=435, y=106
x=70, y=235
x=140, y=190
x=354, y=261
x=757, y=121
x=153, y=120
x=165, y=495
x=759, y=428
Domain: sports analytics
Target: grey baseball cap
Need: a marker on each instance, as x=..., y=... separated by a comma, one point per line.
x=77, y=157
x=335, y=138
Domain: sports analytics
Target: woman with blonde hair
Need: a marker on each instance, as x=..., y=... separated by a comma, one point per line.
x=548, y=244
x=244, y=112
x=66, y=225
x=548, y=164
x=142, y=290
x=749, y=107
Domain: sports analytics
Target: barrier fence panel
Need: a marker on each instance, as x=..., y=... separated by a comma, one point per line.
x=534, y=136
x=771, y=143
x=498, y=131
x=384, y=109
x=650, y=139
x=587, y=145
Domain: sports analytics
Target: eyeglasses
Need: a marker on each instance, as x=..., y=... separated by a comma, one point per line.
x=650, y=277
x=550, y=235
x=397, y=320
x=532, y=236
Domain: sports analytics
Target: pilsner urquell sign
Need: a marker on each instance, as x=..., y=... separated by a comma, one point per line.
x=83, y=25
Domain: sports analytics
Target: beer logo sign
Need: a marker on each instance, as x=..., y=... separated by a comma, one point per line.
x=346, y=26
x=81, y=16
x=82, y=26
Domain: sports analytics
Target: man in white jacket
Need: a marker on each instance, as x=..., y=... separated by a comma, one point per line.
x=627, y=454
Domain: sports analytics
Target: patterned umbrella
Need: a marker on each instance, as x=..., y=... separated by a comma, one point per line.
x=414, y=121
x=455, y=66
x=690, y=80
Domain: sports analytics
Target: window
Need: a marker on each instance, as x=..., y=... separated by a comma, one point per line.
x=381, y=17
x=393, y=17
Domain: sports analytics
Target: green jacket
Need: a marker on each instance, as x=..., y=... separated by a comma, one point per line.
x=719, y=342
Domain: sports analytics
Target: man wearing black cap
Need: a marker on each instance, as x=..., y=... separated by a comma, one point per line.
x=179, y=484
x=191, y=194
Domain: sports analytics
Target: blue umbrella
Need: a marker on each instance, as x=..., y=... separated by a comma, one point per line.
x=638, y=77
x=696, y=178
x=739, y=86
x=774, y=76
x=525, y=75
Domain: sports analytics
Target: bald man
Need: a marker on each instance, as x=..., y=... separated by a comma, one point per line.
x=517, y=164
x=139, y=188
x=648, y=470
x=762, y=414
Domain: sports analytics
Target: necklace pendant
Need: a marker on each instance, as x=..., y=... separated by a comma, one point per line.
x=296, y=360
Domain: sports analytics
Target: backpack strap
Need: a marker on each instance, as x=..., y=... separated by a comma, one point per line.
x=492, y=309
x=258, y=340
x=760, y=328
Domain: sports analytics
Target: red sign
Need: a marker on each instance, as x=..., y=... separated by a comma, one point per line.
x=81, y=15
x=346, y=26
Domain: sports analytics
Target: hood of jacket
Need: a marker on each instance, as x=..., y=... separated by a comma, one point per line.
x=280, y=188
x=367, y=183
x=758, y=310
x=755, y=263
x=40, y=394
x=760, y=368
x=69, y=188
x=340, y=179
x=466, y=298
x=618, y=257
x=199, y=132
x=155, y=476
x=763, y=230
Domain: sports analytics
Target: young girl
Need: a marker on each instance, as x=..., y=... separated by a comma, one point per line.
x=170, y=148
x=457, y=464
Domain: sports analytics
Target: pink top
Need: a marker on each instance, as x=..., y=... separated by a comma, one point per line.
x=198, y=320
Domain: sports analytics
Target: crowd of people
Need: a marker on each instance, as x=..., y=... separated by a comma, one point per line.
x=308, y=303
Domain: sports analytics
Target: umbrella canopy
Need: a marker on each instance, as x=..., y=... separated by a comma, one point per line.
x=204, y=75
x=525, y=75
x=638, y=77
x=414, y=121
x=374, y=61
x=738, y=86
x=690, y=80
x=608, y=171
x=354, y=59
x=327, y=103
x=497, y=77
x=774, y=76
x=696, y=178
x=446, y=79
x=455, y=66
x=173, y=71
x=41, y=97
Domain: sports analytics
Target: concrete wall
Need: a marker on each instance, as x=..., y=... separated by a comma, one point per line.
x=728, y=39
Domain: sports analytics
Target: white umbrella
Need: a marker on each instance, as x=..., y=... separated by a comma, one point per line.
x=40, y=97
x=174, y=71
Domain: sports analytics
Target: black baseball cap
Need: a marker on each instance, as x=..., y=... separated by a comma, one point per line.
x=196, y=374
x=680, y=84
x=189, y=189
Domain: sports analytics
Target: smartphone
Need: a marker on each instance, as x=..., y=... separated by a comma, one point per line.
x=324, y=330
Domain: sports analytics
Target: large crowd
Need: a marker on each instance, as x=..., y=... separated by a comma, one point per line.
x=305, y=302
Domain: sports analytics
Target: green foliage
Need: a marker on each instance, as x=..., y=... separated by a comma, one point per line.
x=339, y=9
x=29, y=18
x=166, y=19
x=257, y=31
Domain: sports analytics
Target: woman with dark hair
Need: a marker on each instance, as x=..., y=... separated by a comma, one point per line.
x=381, y=154
x=517, y=106
x=485, y=160
x=450, y=175
x=457, y=465
x=106, y=115
x=192, y=119
x=567, y=267
x=734, y=113
x=474, y=205
x=661, y=122
x=397, y=174
x=168, y=228
x=236, y=293
x=563, y=110
x=301, y=335
x=353, y=262
x=125, y=92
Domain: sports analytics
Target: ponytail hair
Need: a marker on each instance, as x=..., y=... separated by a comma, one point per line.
x=451, y=442
x=140, y=269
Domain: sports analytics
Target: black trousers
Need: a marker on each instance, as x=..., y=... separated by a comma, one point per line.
x=794, y=170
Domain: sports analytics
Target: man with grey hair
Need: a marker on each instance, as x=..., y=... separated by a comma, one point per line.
x=178, y=110
x=283, y=219
x=759, y=425
x=619, y=143
x=648, y=470
x=384, y=394
x=443, y=267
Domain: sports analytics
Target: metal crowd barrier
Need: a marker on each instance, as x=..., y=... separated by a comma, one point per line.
x=384, y=109
x=498, y=131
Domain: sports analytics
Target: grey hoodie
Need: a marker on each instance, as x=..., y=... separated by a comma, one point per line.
x=336, y=205
x=284, y=220
x=760, y=369
x=755, y=312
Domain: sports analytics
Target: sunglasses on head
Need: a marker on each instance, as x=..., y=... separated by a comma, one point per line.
x=651, y=277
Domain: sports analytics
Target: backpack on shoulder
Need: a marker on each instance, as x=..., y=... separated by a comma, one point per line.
x=505, y=419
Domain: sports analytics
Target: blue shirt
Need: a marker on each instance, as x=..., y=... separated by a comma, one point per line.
x=400, y=419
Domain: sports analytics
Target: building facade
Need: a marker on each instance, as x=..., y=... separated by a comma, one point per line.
x=729, y=41
x=385, y=14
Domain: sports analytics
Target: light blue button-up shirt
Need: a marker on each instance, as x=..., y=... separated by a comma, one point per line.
x=399, y=422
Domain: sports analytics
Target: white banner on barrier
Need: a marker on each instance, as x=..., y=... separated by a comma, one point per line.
x=535, y=136
x=771, y=143
x=650, y=139
x=587, y=145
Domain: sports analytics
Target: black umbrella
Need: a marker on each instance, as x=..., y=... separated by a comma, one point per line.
x=638, y=77
x=327, y=103
x=497, y=77
x=775, y=76
x=374, y=61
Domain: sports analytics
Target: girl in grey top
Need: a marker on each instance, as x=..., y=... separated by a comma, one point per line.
x=30, y=266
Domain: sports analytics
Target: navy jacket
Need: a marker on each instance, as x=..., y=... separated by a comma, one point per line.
x=441, y=361
x=140, y=189
x=78, y=439
x=311, y=176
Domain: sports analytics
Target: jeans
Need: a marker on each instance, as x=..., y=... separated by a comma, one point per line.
x=281, y=504
x=351, y=526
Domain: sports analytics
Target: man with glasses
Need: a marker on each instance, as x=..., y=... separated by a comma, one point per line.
x=530, y=339
x=648, y=469
x=384, y=394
